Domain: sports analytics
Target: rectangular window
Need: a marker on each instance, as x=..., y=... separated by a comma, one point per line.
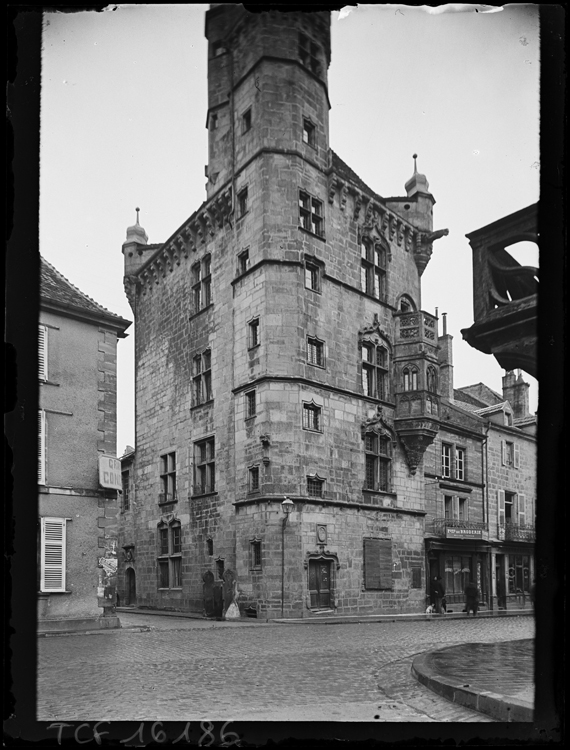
x=312, y=277
x=242, y=203
x=315, y=486
x=204, y=467
x=416, y=577
x=41, y=447
x=373, y=269
x=457, y=569
x=315, y=352
x=202, y=284
x=243, y=261
x=446, y=460
x=251, y=405
x=167, y=478
x=213, y=121
x=43, y=353
x=308, y=133
x=254, y=479
x=374, y=370
x=312, y=417
x=253, y=334
x=511, y=454
x=377, y=563
x=460, y=464
x=246, y=121
x=52, y=554
x=448, y=504
x=126, y=500
x=309, y=53
x=255, y=555
x=202, y=377
x=170, y=557
x=311, y=214
x=377, y=462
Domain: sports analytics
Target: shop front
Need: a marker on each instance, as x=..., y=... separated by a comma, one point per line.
x=513, y=568
x=458, y=561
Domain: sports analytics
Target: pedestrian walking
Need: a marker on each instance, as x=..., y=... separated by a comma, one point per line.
x=437, y=593
x=471, y=598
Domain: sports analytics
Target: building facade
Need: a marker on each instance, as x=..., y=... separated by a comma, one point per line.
x=77, y=525
x=282, y=352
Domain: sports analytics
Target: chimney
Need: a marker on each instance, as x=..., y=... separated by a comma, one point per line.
x=515, y=391
x=445, y=358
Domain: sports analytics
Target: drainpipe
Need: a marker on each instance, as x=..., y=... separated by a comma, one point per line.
x=485, y=498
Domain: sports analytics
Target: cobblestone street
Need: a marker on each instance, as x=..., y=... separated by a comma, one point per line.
x=191, y=670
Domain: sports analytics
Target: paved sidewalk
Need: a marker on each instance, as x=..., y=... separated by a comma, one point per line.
x=493, y=678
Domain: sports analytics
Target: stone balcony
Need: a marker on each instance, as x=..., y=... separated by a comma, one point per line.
x=414, y=327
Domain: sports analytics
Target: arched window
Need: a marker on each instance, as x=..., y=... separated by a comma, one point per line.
x=406, y=304
x=410, y=379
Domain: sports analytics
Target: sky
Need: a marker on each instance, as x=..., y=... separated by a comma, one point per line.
x=123, y=115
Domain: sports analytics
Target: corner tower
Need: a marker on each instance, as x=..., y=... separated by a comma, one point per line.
x=267, y=88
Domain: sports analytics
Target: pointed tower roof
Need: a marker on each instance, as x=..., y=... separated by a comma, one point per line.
x=136, y=233
x=417, y=183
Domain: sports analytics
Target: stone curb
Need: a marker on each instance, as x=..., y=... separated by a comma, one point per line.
x=341, y=619
x=501, y=707
x=129, y=628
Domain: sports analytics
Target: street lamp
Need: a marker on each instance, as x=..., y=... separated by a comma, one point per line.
x=286, y=506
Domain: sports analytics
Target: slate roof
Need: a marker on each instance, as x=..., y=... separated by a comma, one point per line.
x=56, y=290
x=342, y=169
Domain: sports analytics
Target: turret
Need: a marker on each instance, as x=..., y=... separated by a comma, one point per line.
x=136, y=251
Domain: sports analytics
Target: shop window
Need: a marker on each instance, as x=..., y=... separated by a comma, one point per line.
x=204, y=467
x=167, y=478
x=457, y=573
x=170, y=556
x=374, y=370
x=519, y=574
x=377, y=456
x=377, y=563
x=311, y=214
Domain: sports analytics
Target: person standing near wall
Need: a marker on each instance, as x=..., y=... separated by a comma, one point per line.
x=437, y=593
x=471, y=598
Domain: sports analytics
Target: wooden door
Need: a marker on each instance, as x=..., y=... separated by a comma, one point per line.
x=320, y=583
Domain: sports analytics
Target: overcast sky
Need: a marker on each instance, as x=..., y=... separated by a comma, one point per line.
x=123, y=125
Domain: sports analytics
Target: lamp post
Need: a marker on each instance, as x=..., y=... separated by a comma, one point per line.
x=286, y=506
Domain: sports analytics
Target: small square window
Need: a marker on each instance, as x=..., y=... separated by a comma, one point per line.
x=308, y=133
x=251, y=406
x=242, y=203
x=246, y=121
x=254, y=479
x=253, y=334
x=315, y=486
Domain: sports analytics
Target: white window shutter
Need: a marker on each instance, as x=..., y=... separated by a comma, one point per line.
x=501, y=505
x=503, y=453
x=522, y=508
x=42, y=447
x=43, y=353
x=517, y=456
x=52, y=574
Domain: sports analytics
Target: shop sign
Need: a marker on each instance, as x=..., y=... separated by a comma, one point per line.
x=453, y=533
x=110, y=472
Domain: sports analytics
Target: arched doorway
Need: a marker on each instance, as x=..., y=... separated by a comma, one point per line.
x=131, y=592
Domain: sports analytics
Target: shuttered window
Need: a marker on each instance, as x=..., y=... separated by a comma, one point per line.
x=501, y=504
x=41, y=447
x=43, y=353
x=52, y=574
x=377, y=563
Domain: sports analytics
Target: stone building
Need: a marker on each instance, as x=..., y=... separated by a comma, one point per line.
x=282, y=352
x=77, y=525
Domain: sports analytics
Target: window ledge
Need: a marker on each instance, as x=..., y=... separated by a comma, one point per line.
x=201, y=310
x=312, y=234
x=52, y=593
x=204, y=403
x=203, y=494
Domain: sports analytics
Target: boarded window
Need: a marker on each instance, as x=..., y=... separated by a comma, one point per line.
x=378, y=563
x=416, y=578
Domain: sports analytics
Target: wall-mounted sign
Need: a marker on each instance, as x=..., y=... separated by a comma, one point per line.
x=110, y=472
x=453, y=533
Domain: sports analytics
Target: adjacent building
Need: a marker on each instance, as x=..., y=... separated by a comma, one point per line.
x=283, y=361
x=77, y=525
